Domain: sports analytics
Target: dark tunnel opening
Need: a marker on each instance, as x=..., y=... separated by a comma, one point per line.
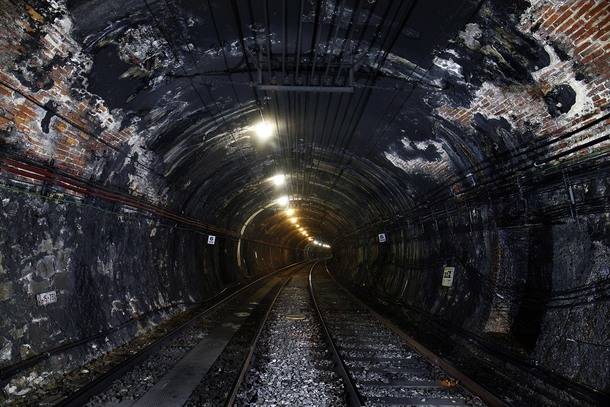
x=411, y=196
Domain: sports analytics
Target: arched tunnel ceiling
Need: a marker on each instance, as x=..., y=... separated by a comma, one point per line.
x=186, y=74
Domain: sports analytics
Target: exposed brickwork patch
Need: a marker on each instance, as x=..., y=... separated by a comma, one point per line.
x=582, y=29
x=41, y=66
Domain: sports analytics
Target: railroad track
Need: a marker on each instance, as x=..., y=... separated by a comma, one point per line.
x=107, y=387
x=379, y=364
x=295, y=337
x=376, y=365
x=288, y=362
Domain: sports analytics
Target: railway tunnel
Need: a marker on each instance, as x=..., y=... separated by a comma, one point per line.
x=321, y=202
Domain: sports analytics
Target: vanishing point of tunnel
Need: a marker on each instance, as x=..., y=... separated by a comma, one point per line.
x=304, y=203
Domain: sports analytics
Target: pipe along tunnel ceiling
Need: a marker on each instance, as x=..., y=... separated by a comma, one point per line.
x=471, y=133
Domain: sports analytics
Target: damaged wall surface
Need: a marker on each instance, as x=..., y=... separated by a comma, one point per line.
x=473, y=134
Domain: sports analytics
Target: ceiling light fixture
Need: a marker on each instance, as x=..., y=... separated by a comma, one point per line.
x=263, y=130
x=282, y=200
x=278, y=180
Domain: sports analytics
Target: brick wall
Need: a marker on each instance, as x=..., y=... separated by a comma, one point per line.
x=582, y=25
x=43, y=66
x=582, y=28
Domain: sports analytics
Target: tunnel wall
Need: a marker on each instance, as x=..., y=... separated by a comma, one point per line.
x=52, y=111
x=109, y=266
x=535, y=292
x=107, y=262
x=530, y=256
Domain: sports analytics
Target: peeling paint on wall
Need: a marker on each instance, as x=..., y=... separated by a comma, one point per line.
x=423, y=157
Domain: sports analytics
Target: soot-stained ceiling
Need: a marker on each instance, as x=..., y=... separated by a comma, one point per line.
x=403, y=102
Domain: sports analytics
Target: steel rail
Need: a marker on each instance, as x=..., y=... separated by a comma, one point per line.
x=573, y=389
x=489, y=398
x=8, y=372
x=105, y=380
x=230, y=400
x=354, y=398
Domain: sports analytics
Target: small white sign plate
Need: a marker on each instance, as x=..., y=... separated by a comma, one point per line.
x=46, y=298
x=382, y=238
x=448, y=276
x=211, y=239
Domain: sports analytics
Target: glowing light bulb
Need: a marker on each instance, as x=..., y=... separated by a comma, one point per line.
x=278, y=180
x=293, y=220
x=263, y=130
x=290, y=211
x=282, y=200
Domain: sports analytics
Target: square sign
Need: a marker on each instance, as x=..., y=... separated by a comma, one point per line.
x=46, y=298
x=382, y=238
x=211, y=239
x=448, y=276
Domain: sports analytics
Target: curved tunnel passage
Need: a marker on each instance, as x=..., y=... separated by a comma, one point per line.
x=448, y=160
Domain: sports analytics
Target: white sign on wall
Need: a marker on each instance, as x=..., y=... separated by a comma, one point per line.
x=382, y=238
x=448, y=276
x=46, y=298
x=211, y=239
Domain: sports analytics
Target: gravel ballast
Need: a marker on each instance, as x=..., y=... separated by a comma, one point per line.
x=291, y=365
